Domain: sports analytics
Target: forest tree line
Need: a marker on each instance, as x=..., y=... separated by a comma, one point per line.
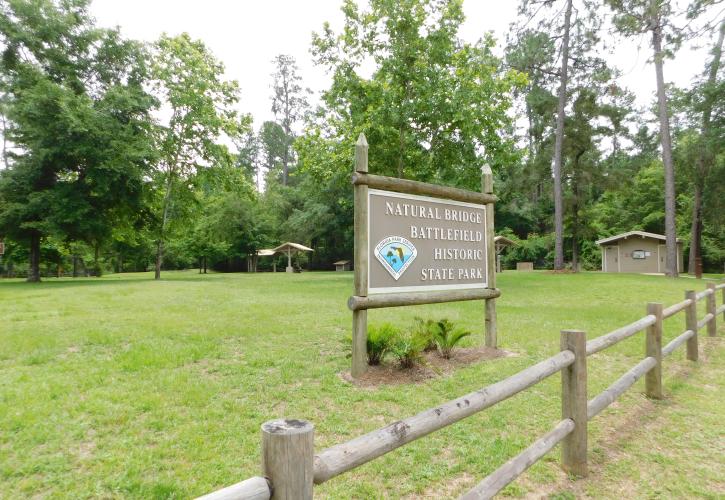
x=125, y=156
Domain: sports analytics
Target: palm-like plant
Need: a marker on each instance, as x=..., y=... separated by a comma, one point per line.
x=446, y=336
x=425, y=330
x=407, y=348
x=379, y=342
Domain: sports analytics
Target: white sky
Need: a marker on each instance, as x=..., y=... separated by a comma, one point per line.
x=247, y=35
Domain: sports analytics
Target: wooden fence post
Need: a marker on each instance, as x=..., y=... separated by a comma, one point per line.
x=653, y=379
x=574, y=403
x=691, y=324
x=360, y=318
x=288, y=458
x=723, y=302
x=711, y=308
x=491, y=327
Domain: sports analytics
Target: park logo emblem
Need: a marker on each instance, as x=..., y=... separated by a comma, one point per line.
x=396, y=254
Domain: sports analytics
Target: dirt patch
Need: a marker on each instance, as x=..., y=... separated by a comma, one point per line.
x=433, y=366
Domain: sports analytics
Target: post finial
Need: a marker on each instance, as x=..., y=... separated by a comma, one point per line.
x=361, y=154
x=486, y=179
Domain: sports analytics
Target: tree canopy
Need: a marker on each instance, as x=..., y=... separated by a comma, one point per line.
x=120, y=155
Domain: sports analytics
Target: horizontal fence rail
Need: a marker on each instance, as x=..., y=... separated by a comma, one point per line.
x=704, y=321
x=290, y=465
x=616, y=336
x=343, y=457
x=254, y=488
x=677, y=342
x=517, y=465
x=611, y=393
x=674, y=309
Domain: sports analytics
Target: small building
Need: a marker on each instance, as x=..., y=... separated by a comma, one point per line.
x=500, y=244
x=290, y=249
x=636, y=252
x=342, y=265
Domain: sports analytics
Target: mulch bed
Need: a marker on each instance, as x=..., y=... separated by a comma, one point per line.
x=433, y=366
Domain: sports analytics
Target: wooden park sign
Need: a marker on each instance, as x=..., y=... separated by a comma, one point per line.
x=419, y=243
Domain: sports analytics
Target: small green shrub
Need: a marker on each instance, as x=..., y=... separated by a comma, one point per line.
x=407, y=349
x=425, y=331
x=447, y=336
x=379, y=341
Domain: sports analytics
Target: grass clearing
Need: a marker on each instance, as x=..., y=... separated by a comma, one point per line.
x=126, y=387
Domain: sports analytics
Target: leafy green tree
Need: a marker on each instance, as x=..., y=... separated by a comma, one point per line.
x=704, y=109
x=433, y=102
x=558, y=53
x=656, y=17
x=273, y=146
x=77, y=113
x=189, y=80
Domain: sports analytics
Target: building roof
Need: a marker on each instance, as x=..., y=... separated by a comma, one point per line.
x=295, y=247
x=265, y=252
x=341, y=263
x=503, y=240
x=641, y=234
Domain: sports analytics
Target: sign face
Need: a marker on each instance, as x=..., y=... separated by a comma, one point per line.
x=419, y=243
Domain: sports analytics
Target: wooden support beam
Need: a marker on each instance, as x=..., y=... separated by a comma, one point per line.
x=360, y=316
x=574, y=403
x=287, y=458
x=420, y=188
x=377, y=301
x=491, y=329
x=691, y=324
x=653, y=349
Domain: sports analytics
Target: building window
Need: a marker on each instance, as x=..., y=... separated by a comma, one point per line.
x=639, y=254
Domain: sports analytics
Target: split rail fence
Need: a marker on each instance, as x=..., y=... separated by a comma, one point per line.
x=291, y=468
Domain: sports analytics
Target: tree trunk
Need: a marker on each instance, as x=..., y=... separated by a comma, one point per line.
x=34, y=271
x=558, y=201
x=704, y=161
x=96, y=265
x=205, y=264
x=696, y=229
x=401, y=150
x=75, y=266
x=159, y=258
x=164, y=219
x=670, y=225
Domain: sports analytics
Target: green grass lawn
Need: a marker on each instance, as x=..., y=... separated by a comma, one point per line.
x=125, y=387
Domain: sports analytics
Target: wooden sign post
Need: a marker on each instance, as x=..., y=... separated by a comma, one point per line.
x=419, y=243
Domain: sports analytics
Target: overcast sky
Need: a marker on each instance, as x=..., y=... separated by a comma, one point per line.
x=247, y=35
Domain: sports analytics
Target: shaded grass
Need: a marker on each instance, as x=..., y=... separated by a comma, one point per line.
x=126, y=387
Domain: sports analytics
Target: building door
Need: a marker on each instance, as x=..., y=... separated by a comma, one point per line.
x=611, y=259
x=661, y=258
